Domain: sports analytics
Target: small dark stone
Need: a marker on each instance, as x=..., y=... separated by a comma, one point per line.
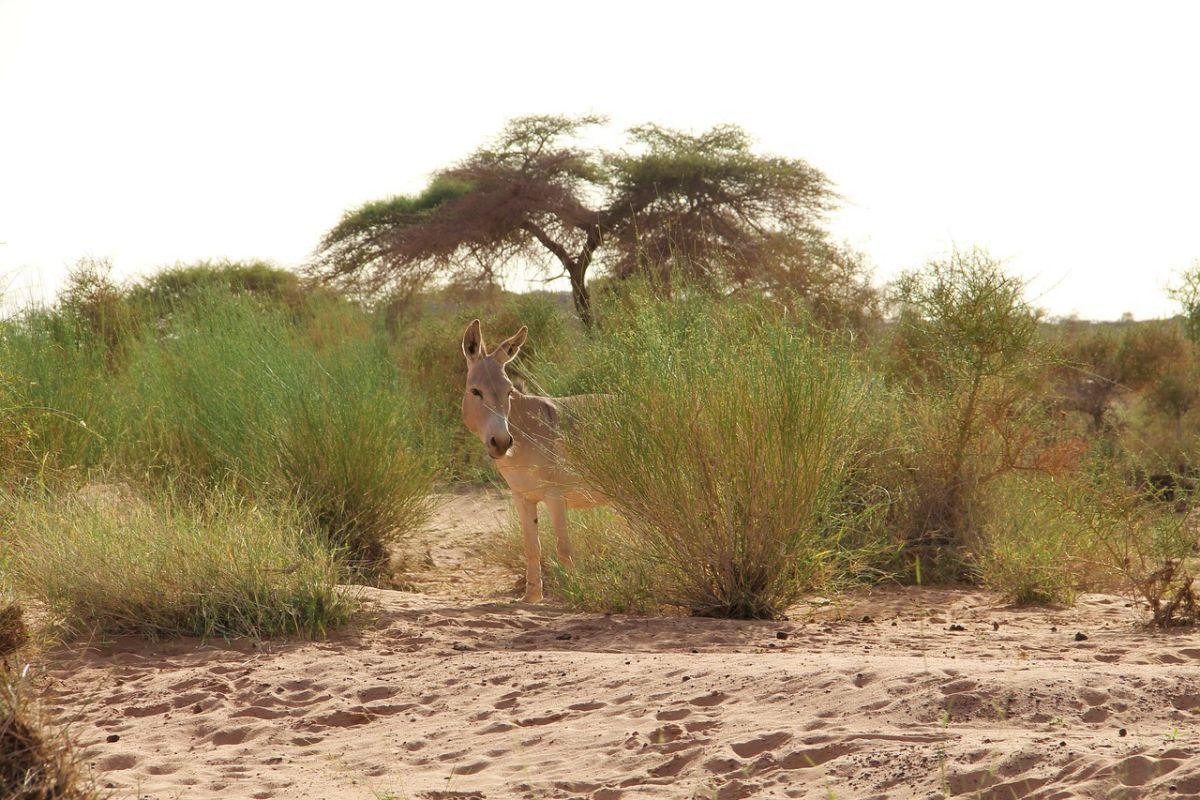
x=112, y=737
x=1081, y=637
x=459, y=646
x=781, y=634
x=1054, y=629
x=687, y=678
x=995, y=626
x=957, y=627
x=1122, y=732
x=196, y=709
x=868, y=618
x=564, y=637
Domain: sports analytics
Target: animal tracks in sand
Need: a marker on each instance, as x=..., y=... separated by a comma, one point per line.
x=453, y=696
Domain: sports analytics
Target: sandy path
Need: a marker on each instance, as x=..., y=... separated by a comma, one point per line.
x=450, y=693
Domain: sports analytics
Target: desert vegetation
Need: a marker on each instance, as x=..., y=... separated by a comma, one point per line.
x=775, y=425
x=235, y=450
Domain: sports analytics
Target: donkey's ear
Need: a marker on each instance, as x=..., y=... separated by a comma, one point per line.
x=472, y=343
x=509, y=348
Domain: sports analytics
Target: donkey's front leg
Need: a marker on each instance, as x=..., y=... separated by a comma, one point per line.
x=558, y=517
x=527, y=512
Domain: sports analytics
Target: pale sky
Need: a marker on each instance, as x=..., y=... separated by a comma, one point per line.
x=1064, y=137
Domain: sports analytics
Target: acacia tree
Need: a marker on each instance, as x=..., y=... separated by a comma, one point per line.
x=706, y=205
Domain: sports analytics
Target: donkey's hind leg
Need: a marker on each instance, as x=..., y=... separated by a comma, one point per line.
x=558, y=518
x=527, y=512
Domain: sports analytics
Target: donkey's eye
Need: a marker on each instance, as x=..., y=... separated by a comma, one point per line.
x=477, y=393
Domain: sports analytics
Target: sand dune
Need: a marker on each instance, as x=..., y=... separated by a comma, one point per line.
x=451, y=692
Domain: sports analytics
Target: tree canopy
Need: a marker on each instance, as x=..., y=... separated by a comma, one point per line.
x=668, y=206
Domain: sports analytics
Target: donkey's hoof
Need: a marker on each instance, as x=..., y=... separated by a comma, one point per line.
x=532, y=597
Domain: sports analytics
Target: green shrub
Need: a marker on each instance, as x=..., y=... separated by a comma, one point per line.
x=61, y=396
x=967, y=354
x=175, y=288
x=234, y=392
x=725, y=444
x=1028, y=549
x=217, y=567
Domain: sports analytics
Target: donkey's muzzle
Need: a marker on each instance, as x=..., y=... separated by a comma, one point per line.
x=499, y=445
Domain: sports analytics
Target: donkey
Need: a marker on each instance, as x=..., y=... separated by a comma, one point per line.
x=523, y=435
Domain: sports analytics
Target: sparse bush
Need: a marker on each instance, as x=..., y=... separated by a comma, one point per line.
x=967, y=351
x=217, y=567
x=1143, y=549
x=96, y=310
x=1186, y=292
x=37, y=759
x=725, y=445
x=1028, y=549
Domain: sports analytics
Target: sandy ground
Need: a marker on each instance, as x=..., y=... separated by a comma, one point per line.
x=456, y=691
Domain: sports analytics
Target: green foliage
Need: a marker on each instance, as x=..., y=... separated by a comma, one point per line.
x=61, y=397
x=234, y=392
x=171, y=289
x=221, y=567
x=724, y=443
x=372, y=219
x=1028, y=549
x=966, y=350
x=1186, y=292
x=306, y=408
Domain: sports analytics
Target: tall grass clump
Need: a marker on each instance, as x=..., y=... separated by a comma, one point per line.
x=724, y=442
x=220, y=566
x=58, y=392
x=234, y=391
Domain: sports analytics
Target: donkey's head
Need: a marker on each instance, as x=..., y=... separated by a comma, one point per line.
x=487, y=398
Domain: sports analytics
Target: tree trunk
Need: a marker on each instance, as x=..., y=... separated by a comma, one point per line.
x=579, y=293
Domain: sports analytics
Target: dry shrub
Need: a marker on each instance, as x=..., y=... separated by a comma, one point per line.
x=13, y=631
x=1144, y=549
x=967, y=354
x=37, y=760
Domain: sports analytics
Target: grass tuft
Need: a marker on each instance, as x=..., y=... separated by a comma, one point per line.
x=222, y=567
